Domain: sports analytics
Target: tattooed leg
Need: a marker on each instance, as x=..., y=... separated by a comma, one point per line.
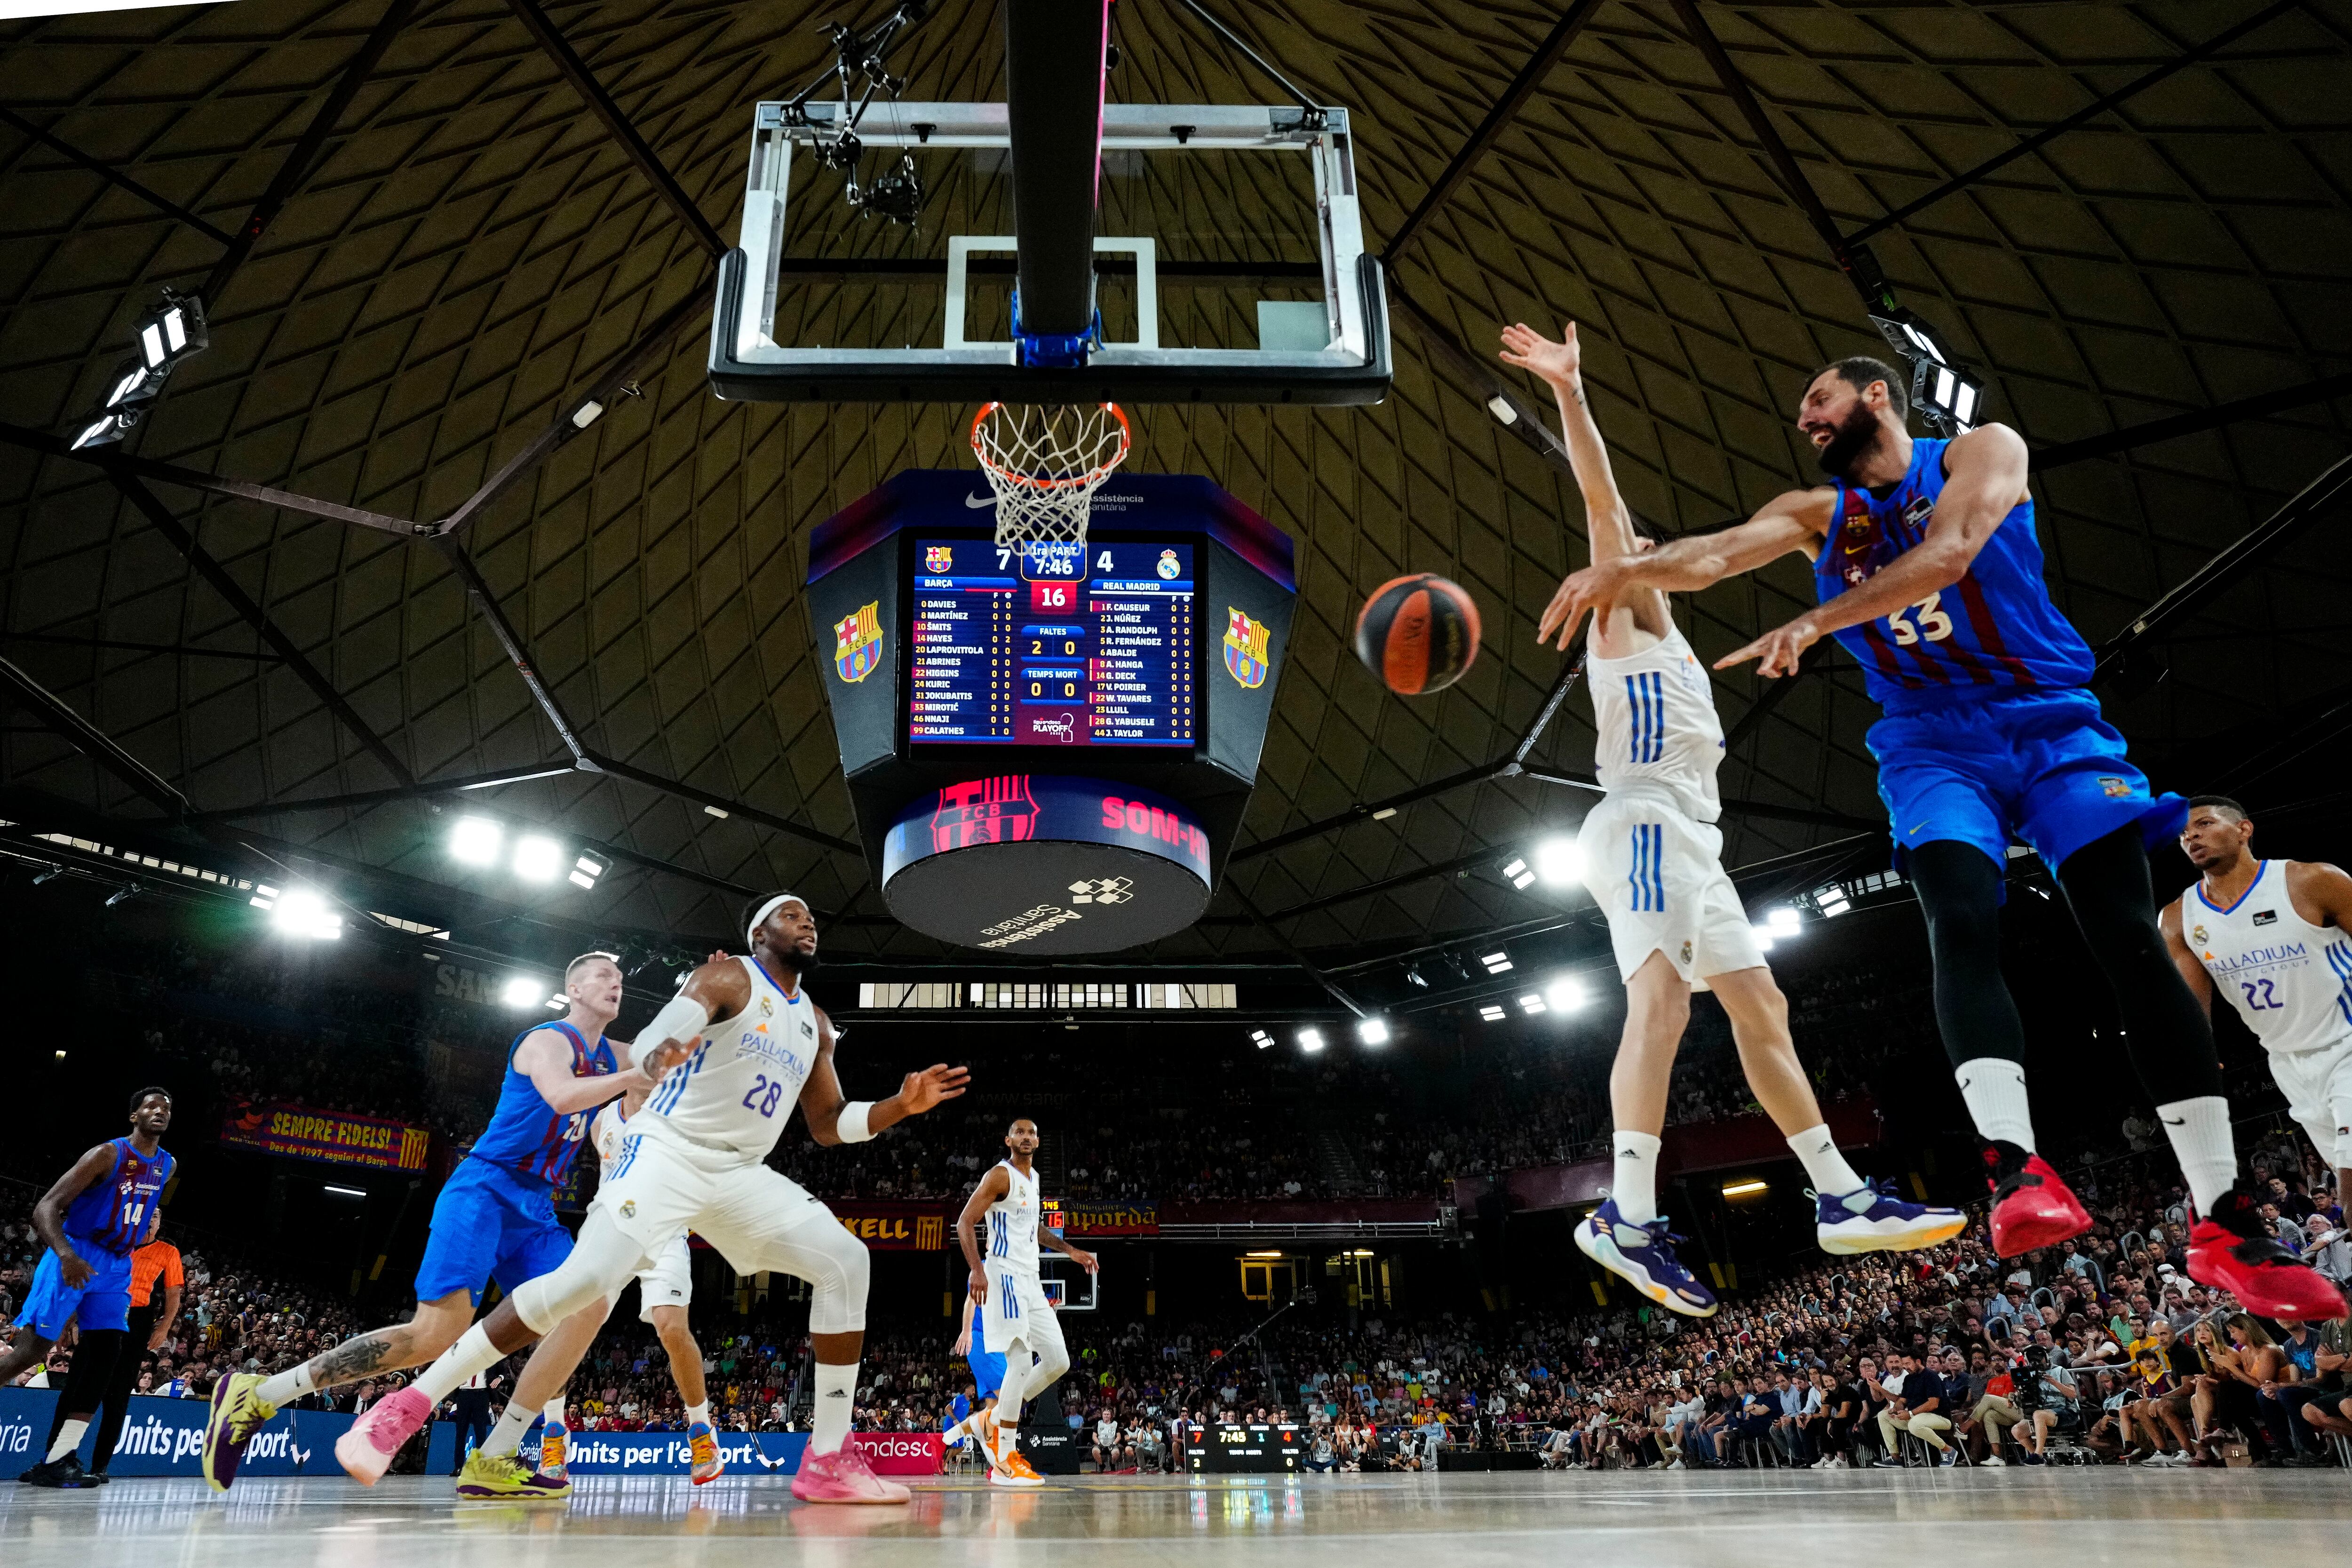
x=434, y=1329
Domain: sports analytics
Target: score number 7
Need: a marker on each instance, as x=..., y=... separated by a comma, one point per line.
x=1932, y=623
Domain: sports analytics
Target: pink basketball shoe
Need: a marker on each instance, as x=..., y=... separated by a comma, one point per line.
x=844, y=1476
x=366, y=1450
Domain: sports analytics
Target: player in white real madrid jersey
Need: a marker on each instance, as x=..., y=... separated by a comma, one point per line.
x=2271, y=937
x=1000, y=1236
x=732, y=1053
x=1653, y=861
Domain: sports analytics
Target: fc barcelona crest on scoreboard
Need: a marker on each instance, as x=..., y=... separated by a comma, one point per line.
x=858, y=643
x=1245, y=649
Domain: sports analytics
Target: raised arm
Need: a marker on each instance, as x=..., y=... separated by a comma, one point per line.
x=1984, y=478
x=1608, y=523
x=1793, y=521
x=823, y=1102
x=992, y=1189
x=545, y=1058
x=2201, y=984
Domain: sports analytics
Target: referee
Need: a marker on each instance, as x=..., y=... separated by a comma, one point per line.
x=151, y=1322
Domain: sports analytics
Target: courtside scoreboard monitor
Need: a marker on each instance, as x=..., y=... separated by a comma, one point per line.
x=1049, y=745
x=1246, y=1448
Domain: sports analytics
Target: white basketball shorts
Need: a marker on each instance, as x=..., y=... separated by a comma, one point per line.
x=2318, y=1089
x=1658, y=876
x=661, y=1187
x=668, y=1283
x=1017, y=1308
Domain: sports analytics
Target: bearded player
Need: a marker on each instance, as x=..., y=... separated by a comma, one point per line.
x=1927, y=570
x=1652, y=863
x=999, y=1233
x=732, y=1053
x=2270, y=937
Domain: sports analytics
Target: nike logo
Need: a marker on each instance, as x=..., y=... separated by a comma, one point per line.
x=976, y=503
x=835, y=1394
x=1919, y=825
x=2169, y=1121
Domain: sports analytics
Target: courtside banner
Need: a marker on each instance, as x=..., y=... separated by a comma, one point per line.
x=889, y=1227
x=1082, y=1218
x=166, y=1437
x=329, y=1137
x=746, y=1453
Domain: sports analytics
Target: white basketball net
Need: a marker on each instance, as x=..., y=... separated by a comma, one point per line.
x=1046, y=462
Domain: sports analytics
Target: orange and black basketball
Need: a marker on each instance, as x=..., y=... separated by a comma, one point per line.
x=1418, y=634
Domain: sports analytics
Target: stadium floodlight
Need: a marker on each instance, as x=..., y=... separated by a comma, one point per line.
x=303, y=912
x=1567, y=993
x=110, y=426
x=559, y=1003
x=537, y=858
x=1373, y=1031
x=1947, y=395
x=1560, y=862
x=523, y=991
x=1261, y=1038
x=172, y=331
x=1496, y=962
x=1490, y=1012
x=1832, y=900
x=1516, y=871
x=1532, y=1005
x=1783, y=922
x=1310, y=1039
x=476, y=840
x=585, y=870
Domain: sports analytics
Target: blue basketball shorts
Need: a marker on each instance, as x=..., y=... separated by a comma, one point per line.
x=2040, y=768
x=103, y=1303
x=987, y=1365
x=490, y=1224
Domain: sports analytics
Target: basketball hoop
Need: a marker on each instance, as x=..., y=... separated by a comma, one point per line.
x=1046, y=462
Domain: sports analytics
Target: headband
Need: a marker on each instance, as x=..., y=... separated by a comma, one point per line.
x=751, y=931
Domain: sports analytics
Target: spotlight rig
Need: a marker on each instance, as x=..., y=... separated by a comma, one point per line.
x=165, y=336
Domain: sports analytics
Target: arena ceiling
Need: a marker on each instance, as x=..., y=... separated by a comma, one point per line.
x=457, y=245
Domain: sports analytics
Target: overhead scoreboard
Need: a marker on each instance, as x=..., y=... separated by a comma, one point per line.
x=1049, y=747
x=1052, y=645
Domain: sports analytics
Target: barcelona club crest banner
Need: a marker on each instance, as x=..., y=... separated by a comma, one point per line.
x=858, y=643
x=1245, y=649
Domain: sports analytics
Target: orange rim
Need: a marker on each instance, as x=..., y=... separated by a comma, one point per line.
x=1069, y=481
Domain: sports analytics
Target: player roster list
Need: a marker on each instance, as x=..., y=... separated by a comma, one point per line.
x=1052, y=645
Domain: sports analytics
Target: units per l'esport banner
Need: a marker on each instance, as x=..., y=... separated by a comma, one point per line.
x=166, y=1437
x=331, y=1137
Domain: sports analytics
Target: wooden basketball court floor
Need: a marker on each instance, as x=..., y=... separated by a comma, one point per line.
x=1808, y=1518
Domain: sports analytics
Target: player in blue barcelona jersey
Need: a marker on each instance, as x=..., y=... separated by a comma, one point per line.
x=494, y=1220
x=1927, y=569
x=92, y=1218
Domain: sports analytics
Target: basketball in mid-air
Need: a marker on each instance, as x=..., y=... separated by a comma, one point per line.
x=1418, y=634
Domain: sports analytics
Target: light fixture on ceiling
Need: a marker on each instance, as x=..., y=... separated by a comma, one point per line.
x=1560, y=862
x=1516, y=871
x=302, y=913
x=1944, y=392
x=523, y=991
x=585, y=870
x=476, y=840
x=538, y=858
x=1531, y=1004
x=1567, y=993
x=1490, y=1012
x=1496, y=962
x=1310, y=1039
x=1373, y=1031
x=1261, y=1040
x=162, y=338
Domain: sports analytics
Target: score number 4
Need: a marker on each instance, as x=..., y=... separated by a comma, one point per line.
x=1928, y=622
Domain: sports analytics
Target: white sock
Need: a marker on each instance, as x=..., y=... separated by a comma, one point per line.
x=473, y=1352
x=69, y=1438
x=700, y=1412
x=554, y=1411
x=287, y=1385
x=506, y=1437
x=1634, y=1185
x=2200, y=1130
x=837, y=1392
x=1994, y=1088
x=1832, y=1177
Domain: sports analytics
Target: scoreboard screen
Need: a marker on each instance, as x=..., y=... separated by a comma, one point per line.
x=1052, y=645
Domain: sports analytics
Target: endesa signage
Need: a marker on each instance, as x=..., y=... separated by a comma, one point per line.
x=746, y=1453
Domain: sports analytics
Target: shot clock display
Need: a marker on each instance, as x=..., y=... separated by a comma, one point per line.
x=1052, y=645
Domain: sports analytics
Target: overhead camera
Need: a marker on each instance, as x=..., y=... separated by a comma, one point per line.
x=895, y=196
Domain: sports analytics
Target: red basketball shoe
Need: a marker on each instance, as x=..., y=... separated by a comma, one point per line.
x=2230, y=1249
x=2030, y=1207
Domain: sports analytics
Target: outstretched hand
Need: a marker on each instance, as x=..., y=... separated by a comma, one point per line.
x=1593, y=589
x=921, y=1091
x=1778, y=651
x=1530, y=351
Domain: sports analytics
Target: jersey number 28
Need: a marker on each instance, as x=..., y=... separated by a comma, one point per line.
x=763, y=1095
x=1933, y=624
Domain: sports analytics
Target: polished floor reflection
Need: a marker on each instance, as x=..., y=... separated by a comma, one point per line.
x=1804, y=1520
